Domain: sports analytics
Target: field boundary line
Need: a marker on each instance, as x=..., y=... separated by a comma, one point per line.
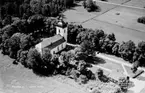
x=119, y=25
x=122, y=4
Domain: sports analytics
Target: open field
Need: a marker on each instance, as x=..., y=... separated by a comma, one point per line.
x=123, y=16
x=136, y=3
x=78, y=14
x=121, y=33
x=126, y=28
x=115, y=1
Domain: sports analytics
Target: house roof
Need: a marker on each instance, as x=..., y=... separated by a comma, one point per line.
x=52, y=42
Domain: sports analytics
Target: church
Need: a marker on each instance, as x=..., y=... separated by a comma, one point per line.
x=57, y=42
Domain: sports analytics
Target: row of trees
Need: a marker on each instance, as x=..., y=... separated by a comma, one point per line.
x=106, y=43
x=26, y=8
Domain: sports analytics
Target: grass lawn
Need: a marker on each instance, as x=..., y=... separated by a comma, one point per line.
x=112, y=66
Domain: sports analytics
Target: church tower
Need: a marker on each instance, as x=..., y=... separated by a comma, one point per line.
x=61, y=29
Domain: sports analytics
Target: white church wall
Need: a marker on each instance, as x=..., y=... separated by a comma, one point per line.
x=58, y=48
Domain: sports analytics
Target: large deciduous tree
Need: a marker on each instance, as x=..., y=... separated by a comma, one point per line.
x=36, y=22
x=14, y=46
x=90, y=5
x=26, y=42
x=87, y=47
x=33, y=59
x=127, y=49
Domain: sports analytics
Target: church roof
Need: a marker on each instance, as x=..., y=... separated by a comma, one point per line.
x=52, y=42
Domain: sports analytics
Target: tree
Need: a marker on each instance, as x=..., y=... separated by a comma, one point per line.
x=111, y=37
x=22, y=25
x=100, y=34
x=135, y=65
x=46, y=10
x=81, y=67
x=141, y=46
x=89, y=35
x=7, y=20
x=14, y=46
x=82, y=36
x=83, y=79
x=141, y=20
x=81, y=55
x=1, y=25
x=8, y=31
x=26, y=42
x=2, y=12
x=73, y=31
x=139, y=54
x=107, y=46
x=22, y=57
x=36, y=22
x=69, y=3
x=46, y=58
x=90, y=6
x=141, y=60
x=87, y=47
x=127, y=50
x=25, y=9
x=33, y=59
x=100, y=73
x=36, y=6
x=5, y=48
x=115, y=49
x=50, y=28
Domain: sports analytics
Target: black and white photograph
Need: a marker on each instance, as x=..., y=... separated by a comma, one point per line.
x=72, y=46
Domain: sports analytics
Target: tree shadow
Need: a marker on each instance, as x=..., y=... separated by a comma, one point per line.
x=72, y=7
x=104, y=79
x=95, y=60
x=98, y=9
x=42, y=72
